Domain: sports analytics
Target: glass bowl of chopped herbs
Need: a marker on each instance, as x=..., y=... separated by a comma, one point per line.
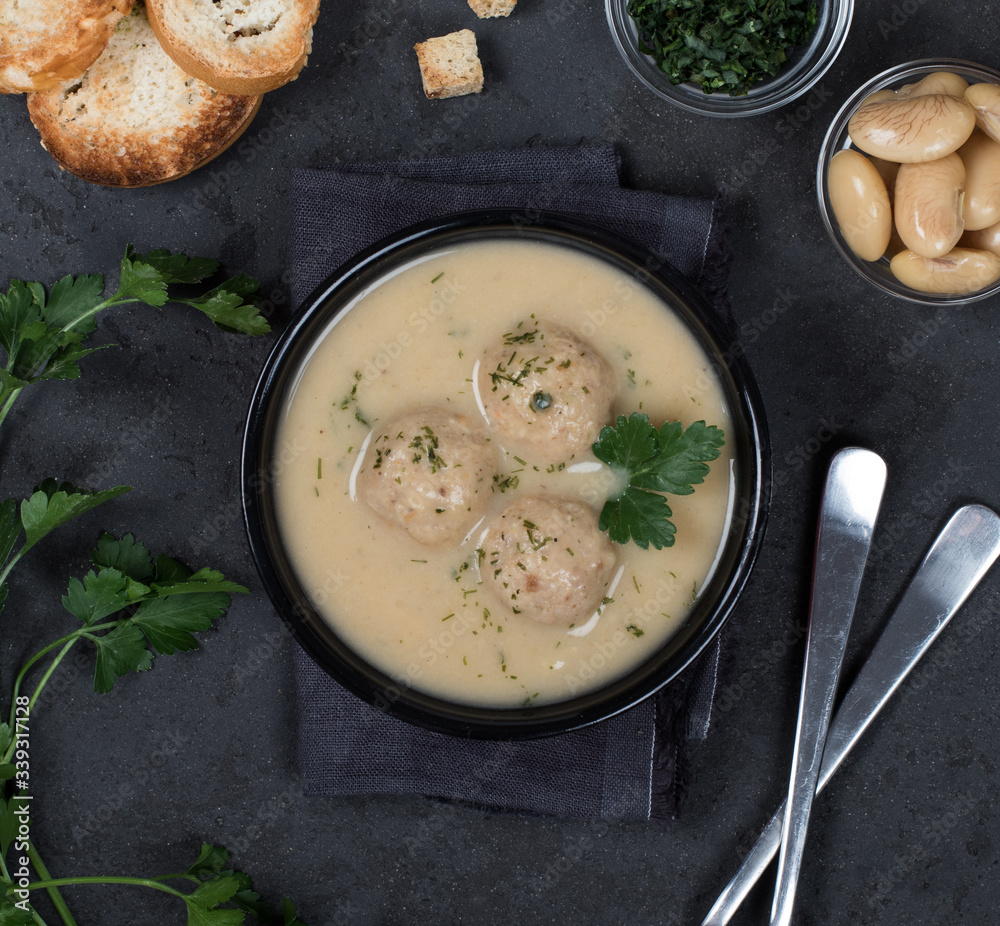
x=729, y=58
x=881, y=243
x=466, y=655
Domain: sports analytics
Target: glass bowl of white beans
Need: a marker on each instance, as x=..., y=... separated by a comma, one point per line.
x=909, y=181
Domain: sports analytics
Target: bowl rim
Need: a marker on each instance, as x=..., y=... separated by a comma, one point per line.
x=410, y=704
x=778, y=91
x=836, y=139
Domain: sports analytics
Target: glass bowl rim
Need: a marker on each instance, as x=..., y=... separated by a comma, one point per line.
x=833, y=141
x=768, y=96
x=437, y=713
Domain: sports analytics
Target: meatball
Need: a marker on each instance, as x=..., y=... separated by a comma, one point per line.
x=547, y=391
x=547, y=560
x=429, y=472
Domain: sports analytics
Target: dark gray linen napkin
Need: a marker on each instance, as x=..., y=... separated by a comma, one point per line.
x=633, y=766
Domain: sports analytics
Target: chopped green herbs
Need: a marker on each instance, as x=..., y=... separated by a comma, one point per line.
x=722, y=45
x=504, y=373
x=351, y=399
x=438, y=277
x=527, y=337
x=426, y=443
x=654, y=460
x=503, y=483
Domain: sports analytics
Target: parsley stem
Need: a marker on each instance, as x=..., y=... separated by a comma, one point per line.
x=177, y=876
x=48, y=673
x=57, y=899
x=8, y=402
x=113, y=299
x=49, y=883
x=10, y=565
x=93, y=311
x=66, y=643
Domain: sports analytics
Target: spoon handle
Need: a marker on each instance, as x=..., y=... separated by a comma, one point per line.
x=961, y=555
x=851, y=499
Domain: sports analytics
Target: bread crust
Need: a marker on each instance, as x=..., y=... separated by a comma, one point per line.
x=135, y=119
x=226, y=65
x=76, y=33
x=111, y=160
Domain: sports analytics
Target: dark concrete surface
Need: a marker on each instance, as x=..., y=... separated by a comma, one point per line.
x=202, y=748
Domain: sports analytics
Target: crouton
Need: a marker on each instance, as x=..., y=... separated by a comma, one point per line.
x=489, y=9
x=449, y=65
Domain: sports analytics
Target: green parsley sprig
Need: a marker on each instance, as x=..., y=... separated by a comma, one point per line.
x=130, y=605
x=43, y=334
x=221, y=896
x=652, y=460
x=721, y=45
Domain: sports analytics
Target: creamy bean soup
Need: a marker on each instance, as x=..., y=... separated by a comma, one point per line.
x=401, y=388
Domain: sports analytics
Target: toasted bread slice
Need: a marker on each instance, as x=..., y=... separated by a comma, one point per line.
x=135, y=118
x=46, y=42
x=238, y=46
x=449, y=65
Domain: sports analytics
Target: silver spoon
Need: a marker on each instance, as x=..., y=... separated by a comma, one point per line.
x=851, y=499
x=961, y=555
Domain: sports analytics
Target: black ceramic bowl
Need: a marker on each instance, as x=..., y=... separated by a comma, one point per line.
x=745, y=529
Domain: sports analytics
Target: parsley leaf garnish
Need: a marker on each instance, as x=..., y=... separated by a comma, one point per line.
x=50, y=505
x=226, y=305
x=721, y=45
x=131, y=558
x=163, y=608
x=179, y=268
x=10, y=914
x=53, y=504
x=653, y=460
